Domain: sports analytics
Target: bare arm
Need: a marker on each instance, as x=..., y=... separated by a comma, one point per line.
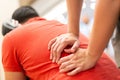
x=58, y=44
x=74, y=10
x=106, y=16
x=14, y=76
x=105, y=19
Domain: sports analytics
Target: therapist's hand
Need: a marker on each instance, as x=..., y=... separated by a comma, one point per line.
x=58, y=44
x=77, y=62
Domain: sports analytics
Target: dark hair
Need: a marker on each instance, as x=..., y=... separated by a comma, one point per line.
x=24, y=13
x=21, y=14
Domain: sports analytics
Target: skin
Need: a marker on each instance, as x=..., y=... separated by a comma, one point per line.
x=57, y=45
x=105, y=20
x=14, y=76
x=74, y=8
x=77, y=62
x=83, y=59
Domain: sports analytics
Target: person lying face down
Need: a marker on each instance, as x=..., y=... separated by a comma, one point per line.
x=25, y=54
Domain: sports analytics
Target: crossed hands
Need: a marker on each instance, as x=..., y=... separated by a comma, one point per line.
x=79, y=60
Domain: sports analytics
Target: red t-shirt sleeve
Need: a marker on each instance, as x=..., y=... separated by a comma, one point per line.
x=9, y=56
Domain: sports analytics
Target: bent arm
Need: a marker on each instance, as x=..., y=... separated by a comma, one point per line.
x=74, y=10
x=14, y=76
x=105, y=19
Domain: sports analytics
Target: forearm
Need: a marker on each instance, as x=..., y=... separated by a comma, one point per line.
x=105, y=18
x=15, y=76
x=74, y=10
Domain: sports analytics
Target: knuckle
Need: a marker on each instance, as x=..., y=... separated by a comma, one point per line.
x=57, y=51
x=75, y=65
x=61, y=60
x=64, y=41
x=81, y=66
x=54, y=50
x=52, y=46
x=63, y=64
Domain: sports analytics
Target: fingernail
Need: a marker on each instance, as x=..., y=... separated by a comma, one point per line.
x=50, y=57
x=68, y=74
x=53, y=61
x=57, y=61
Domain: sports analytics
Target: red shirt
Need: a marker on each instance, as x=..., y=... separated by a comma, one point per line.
x=25, y=49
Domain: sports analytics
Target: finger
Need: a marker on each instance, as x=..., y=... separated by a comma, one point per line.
x=57, y=53
x=75, y=46
x=68, y=68
x=65, y=64
x=64, y=59
x=51, y=51
x=75, y=71
x=68, y=50
x=52, y=54
x=59, y=49
x=51, y=42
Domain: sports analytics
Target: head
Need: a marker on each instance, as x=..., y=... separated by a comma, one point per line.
x=19, y=16
x=24, y=13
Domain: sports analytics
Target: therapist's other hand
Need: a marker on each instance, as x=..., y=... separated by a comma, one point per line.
x=77, y=62
x=58, y=44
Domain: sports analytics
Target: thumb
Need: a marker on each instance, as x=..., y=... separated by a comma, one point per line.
x=68, y=50
x=75, y=46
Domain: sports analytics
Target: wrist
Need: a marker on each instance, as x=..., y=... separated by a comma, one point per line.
x=94, y=55
x=74, y=34
x=73, y=29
